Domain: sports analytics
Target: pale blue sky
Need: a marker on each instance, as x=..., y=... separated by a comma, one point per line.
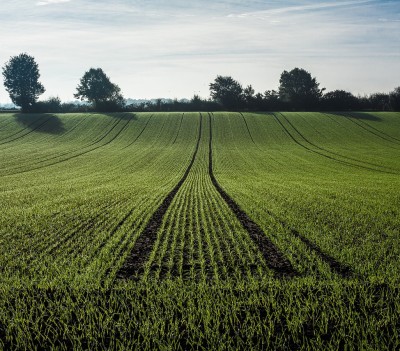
x=176, y=48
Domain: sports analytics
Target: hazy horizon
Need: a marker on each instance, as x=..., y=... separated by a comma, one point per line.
x=175, y=49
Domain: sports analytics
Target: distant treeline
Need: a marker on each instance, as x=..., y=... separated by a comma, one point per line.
x=298, y=91
x=337, y=100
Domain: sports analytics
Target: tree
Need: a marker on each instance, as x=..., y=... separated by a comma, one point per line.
x=96, y=87
x=380, y=101
x=339, y=100
x=271, y=100
x=227, y=92
x=299, y=90
x=249, y=97
x=395, y=99
x=21, y=80
x=196, y=103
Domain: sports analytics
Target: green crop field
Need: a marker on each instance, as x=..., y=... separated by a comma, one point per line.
x=206, y=231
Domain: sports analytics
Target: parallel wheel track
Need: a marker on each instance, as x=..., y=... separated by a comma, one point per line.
x=141, y=251
x=327, y=156
x=272, y=255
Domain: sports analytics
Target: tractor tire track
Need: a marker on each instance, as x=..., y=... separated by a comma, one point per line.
x=179, y=129
x=79, y=154
x=98, y=139
x=274, y=259
x=24, y=128
x=160, y=133
x=332, y=152
x=139, y=133
x=29, y=132
x=337, y=267
x=258, y=147
x=248, y=130
x=374, y=131
x=76, y=125
x=327, y=156
x=119, y=247
x=379, y=131
x=137, y=258
x=5, y=124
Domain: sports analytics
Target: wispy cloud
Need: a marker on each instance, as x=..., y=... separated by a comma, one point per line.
x=302, y=8
x=155, y=48
x=50, y=2
x=388, y=20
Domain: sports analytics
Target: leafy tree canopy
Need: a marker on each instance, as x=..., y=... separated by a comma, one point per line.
x=226, y=91
x=96, y=87
x=339, y=100
x=395, y=99
x=21, y=80
x=381, y=101
x=299, y=89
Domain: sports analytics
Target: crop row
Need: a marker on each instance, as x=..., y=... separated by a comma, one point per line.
x=346, y=211
x=225, y=192
x=200, y=237
x=243, y=186
x=93, y=217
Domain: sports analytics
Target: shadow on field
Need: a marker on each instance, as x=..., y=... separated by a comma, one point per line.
x=127, y=116
x=355, y=115
x=359, y=115
x=43, y=123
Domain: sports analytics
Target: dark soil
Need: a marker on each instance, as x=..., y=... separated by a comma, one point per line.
x=274, y=259
x=337, y=267
x=135, y=262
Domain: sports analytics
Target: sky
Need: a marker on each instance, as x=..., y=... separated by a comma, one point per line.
x=176, y=48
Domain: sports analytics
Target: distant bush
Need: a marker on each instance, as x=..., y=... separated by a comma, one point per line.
x=166, y=105
x=339, y=100
x=394, y=98
x=71, y=107
x=52, y=104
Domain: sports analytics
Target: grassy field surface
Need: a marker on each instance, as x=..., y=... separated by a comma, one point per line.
x=208, y=231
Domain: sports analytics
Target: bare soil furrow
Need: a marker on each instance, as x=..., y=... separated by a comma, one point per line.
x=335, y=266
x=141, y=251
x=274, y=259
